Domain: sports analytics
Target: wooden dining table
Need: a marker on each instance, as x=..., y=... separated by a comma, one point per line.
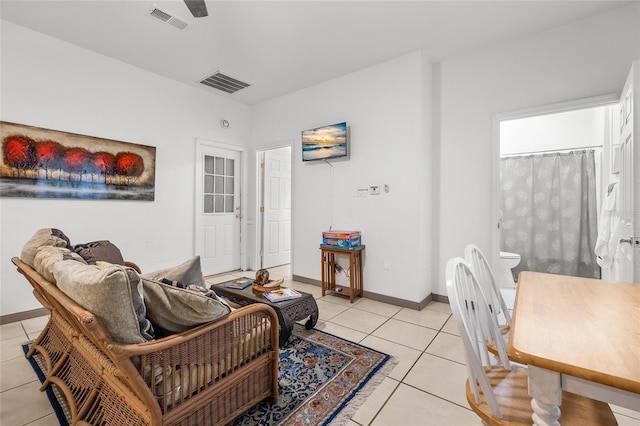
x=578, y=335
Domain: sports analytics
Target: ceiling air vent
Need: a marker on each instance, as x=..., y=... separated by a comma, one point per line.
x=223, y=82
x=168, y=18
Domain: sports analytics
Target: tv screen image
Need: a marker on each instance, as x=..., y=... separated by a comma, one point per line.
x=325, y=142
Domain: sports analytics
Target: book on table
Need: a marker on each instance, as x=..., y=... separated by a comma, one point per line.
x=282, y=294
x=240, y=283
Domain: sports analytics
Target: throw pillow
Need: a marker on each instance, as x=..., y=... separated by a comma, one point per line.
x=47, y=256
x=107, y=293
x=96, y=251
x=175, y=309
x=43, y=237
x=137, y=298
x=188, y=272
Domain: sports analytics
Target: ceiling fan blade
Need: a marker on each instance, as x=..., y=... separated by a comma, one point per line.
x=197, y=7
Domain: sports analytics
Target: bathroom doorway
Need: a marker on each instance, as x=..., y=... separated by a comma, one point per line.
x=577, y=138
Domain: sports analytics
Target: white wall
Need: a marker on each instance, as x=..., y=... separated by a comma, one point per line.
x=586, y=59
x=385, y=109
x=549, y=132
x=52, y=84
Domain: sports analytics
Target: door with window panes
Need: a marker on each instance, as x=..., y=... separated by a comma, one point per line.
x=218, y=209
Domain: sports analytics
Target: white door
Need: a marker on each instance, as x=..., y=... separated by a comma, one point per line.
x=276, y=207
x=628, y=251
x=217, y=219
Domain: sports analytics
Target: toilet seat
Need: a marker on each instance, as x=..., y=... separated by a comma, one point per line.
x=508, y=261
x=509, y=255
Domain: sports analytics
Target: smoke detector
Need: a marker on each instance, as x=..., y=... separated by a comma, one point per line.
x=168, y=18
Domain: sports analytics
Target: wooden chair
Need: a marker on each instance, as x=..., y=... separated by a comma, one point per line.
x=491, y=291
x=498, y=394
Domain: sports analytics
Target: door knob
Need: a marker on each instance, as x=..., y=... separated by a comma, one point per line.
x=238, y=215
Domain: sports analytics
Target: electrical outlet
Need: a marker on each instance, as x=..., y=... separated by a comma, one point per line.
x=374, y=190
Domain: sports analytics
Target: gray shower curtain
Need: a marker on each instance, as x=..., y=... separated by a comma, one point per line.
x=549, y=212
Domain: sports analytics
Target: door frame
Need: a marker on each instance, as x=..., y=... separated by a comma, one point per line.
x=200, y=143
x=591, y=102
x=259, y=234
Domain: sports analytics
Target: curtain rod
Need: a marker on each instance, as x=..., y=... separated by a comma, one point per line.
x=580, y=148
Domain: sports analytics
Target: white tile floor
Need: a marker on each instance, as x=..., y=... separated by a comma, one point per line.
x=426, y=387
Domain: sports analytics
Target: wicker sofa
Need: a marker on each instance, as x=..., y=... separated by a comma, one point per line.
x=208, y=374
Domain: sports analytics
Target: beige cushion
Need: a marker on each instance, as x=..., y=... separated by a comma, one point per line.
x=47, y=256
x=188, y=272
x=175, y=309
x=107, y=293
x=43, y=237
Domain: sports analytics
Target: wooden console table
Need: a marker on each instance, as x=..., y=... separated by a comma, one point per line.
x=328, y=263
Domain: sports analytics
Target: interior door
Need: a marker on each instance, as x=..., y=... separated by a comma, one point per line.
x=628, y=253
x=276, y=207
x=218, y=210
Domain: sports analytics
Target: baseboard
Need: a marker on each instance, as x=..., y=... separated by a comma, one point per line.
x=440, y=298
x=384, y=298
x=25, y=315
x=306, y=280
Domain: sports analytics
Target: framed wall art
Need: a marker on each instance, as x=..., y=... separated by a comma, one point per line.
x=44, y=163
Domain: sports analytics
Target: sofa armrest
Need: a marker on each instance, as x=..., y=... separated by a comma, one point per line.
x=179, y=367
x=133, y=265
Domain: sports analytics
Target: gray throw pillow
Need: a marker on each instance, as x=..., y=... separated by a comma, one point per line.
x=107, y=293
x=43, y=237
x=137, y=298
x=175, y=309
x=188, y=272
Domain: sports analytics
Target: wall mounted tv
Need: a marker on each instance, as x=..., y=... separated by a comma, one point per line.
x=325, y=142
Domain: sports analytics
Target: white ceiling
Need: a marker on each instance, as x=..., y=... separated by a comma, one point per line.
x=283, y=46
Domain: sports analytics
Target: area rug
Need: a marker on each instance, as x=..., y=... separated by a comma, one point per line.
x=323, y=379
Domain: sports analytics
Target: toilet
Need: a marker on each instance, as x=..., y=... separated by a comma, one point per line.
x=508, y=261
x=507, y=284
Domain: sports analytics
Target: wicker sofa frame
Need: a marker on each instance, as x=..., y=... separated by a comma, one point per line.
x=207, y=375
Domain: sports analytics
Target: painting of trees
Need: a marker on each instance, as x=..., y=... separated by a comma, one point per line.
x=18, y=152
x=48, y=156
x=103, y=163
x=75, y=161
x=129, y=165
x=70, y=163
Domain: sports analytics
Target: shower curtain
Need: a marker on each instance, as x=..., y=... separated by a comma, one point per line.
x=549, y=212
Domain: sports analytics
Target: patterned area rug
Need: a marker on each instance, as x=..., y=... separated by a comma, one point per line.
x=323, y=379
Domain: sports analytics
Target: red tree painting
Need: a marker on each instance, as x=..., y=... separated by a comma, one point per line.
x=68, y=165
x=75, y=161
x=129, y=165
x=48, y=156
x=18, y=152
x=103, y=163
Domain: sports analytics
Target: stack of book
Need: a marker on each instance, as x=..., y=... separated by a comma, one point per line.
x=342, y=239
x=282, y=294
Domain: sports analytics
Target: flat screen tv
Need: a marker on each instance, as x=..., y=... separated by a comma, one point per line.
x=325, y=142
